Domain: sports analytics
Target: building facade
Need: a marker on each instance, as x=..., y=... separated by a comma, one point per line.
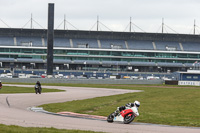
x=99, y=51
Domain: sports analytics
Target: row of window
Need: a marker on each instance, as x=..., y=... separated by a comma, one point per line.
x=94, y=58
x=70, y=53
x=103, y=53
x=192, y=77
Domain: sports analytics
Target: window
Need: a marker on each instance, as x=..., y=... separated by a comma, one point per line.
x=4, y=50
x=94, y=52
x=59, y=51
x=15, y=50
x=116, y=53
x=106, y=53
x=27, y=51
x=39, y=51
x=188, y=77
x=195, y=77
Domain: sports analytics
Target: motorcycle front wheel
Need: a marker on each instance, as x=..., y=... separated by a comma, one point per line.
x=110, y=118
x=129, y=118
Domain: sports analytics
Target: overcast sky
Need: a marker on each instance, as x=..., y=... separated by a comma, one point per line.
x=178, y=15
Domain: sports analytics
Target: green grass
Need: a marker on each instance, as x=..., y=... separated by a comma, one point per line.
x=14, y=89
x=18, y=129
x=169, y=105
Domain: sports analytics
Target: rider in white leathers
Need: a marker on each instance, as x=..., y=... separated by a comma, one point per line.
x=128, y=105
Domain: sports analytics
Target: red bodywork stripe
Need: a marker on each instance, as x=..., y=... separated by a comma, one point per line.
x=125, y=112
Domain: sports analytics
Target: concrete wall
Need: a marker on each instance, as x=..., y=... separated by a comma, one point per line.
x=81, y=81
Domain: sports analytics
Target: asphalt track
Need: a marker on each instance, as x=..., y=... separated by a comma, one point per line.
x=14, y=111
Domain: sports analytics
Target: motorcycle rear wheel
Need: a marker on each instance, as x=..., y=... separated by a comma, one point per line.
x=129, y=118
x=39, y=90
x=36, y=91
x=110, y=118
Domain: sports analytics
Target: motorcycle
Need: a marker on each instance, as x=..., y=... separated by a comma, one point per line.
x=38, y=89
x=126, y=116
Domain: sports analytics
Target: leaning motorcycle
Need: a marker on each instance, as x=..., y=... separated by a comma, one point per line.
x=126, y=116
x=37, y=89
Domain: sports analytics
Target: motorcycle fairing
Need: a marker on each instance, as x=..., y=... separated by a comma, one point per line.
x=125, y=112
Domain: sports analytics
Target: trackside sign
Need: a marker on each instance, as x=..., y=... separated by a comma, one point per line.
x=194, y=83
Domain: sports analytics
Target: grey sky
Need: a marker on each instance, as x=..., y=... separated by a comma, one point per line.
x=115, y=14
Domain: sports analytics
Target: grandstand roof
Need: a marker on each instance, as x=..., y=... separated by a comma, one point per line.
x=101, y=35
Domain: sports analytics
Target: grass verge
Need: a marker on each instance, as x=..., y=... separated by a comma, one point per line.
x=18, y=129
x=14, y=89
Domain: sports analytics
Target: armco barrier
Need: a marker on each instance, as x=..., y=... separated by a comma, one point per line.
x=80, y=81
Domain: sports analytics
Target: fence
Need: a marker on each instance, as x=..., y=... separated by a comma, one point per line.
x=80, y=81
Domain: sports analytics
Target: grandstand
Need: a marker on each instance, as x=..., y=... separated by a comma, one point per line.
x=99, y=50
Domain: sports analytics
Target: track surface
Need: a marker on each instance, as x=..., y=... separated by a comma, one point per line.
x=18, y=114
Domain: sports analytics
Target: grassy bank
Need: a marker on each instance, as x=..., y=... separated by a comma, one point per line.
x=18, y=129
x=14, y=89
x=169, y=105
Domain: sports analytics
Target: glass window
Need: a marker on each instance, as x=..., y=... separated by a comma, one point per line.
x=15, y=50
x=193, y=56
x=150, y=54
x=127, y=54
x=27, y=51
x=189, y=77
x=94, y=52
x=104, y=53
x=39, y=51
x=4, y=50
x=195, y=77
x=71, y=52
x=4, y=56
x=59, y=51
x=83, y=51
x=182, y=55
x=139, y=54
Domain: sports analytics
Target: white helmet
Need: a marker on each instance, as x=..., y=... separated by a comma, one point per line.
x=137, y=103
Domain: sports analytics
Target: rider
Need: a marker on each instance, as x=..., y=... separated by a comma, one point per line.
x=39, y=85
x=128, y=105
x=0, y=84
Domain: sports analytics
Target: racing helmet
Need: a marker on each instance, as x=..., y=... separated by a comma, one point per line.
x=137, y=103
